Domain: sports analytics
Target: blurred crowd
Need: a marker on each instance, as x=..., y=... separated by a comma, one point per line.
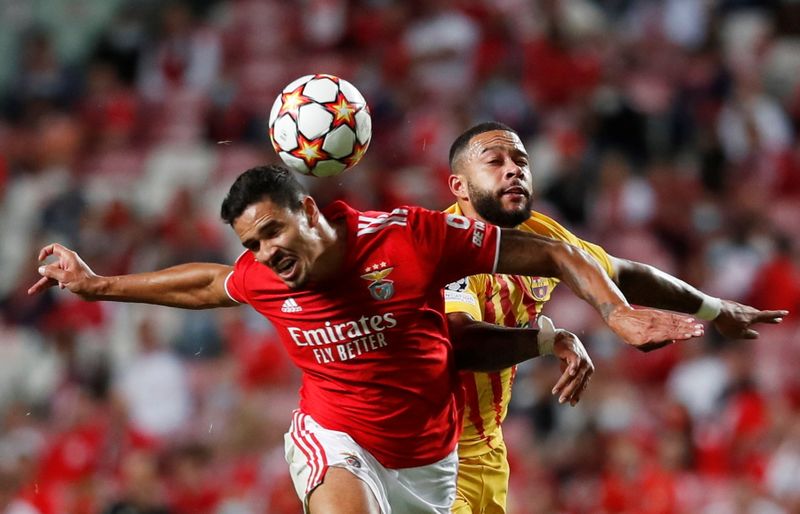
x=666, y=130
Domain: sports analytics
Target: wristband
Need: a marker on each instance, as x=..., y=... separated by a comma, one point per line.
x=546, y=336
x=709, y=309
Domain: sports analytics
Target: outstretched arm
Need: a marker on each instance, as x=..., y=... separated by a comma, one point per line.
x=480, y=346
x=645, y=285
x=189, y=286
x=528, y=254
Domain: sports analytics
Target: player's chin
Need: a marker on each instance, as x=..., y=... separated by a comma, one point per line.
x=295, y=283
x=516, y=213
x=292, y=284
x=296, y=279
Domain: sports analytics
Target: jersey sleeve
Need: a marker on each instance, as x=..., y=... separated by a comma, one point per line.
x=234, y=282
x=598, y=253
x=465, y=295
x=457, y=246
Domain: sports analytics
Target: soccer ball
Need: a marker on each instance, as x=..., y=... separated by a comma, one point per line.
x=320, y=125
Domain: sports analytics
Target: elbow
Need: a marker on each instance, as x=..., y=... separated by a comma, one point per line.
x=201, y=300
x=464, y=347
x=214, y=294
x=563, y=257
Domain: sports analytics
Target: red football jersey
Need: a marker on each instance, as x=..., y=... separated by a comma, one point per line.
x=373, y=346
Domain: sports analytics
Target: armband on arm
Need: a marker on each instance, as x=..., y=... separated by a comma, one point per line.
x=546, y=336
x=709, y=309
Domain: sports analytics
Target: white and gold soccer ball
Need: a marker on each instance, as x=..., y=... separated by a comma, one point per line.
x=320, y=125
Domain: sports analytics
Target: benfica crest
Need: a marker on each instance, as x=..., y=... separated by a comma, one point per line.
x=380, y=287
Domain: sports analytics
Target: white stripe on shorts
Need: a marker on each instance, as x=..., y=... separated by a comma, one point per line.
x=311, y=448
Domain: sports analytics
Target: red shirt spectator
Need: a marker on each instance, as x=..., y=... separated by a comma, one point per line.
x=778, y=282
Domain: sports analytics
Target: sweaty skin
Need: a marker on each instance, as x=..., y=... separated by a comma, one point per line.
x=303, y=247
x=511, y=194
x=492, y=181
x=299, y=246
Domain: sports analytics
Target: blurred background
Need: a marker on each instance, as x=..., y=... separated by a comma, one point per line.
x=667, y=131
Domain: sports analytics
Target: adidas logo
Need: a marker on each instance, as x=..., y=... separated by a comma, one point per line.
x=290, y=306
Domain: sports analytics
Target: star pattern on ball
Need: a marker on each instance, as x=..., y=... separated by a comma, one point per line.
x=357, y=154
x=275, y=144
x=291, y=102
x=343, y=111
x=309, y=150
x=324, y=101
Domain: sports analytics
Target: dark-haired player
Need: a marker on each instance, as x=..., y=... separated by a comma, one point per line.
x=356, y=299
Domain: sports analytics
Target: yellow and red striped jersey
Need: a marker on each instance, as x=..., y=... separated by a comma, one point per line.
x=510, y=301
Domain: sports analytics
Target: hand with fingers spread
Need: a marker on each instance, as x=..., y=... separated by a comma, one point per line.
x=68, y=271
x=649, y=329
x=576, y=367
x=735, y=319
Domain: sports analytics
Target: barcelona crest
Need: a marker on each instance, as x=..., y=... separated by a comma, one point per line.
x=380, y=287
x=540, y=289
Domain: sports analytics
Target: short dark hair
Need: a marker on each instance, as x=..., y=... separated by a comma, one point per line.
x=273, y=182
x=463, y=140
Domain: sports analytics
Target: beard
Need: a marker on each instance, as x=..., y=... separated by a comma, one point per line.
x=489, y=207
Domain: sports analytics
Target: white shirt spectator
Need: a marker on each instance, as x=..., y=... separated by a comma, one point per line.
x=759, y=113
x=783, y=471
x=155, y=388
x=442, y=48
x=697, y=384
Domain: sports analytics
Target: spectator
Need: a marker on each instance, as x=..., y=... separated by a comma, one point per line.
x=185, y=54
x=154, y=387
x=142, y=491
x=779, y=278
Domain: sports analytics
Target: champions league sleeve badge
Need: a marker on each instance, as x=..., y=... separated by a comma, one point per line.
x=380, y=287
x=458, y=286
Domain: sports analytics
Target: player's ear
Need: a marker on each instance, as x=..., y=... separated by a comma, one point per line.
x=458, y=186
x=311, y=211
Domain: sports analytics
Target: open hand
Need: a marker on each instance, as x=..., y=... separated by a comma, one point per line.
x=734, y=320
x=576, y=367
x=650, y=329
x=68, y=271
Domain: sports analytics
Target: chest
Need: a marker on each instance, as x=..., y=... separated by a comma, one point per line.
x=379, y=277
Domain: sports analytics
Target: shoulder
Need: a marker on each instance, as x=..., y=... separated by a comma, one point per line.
x=403, y=216
x=370, y=222
x=338, y=210
x=366, y=222
x=235, y=284
x=544, y=225
x=244, y=260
